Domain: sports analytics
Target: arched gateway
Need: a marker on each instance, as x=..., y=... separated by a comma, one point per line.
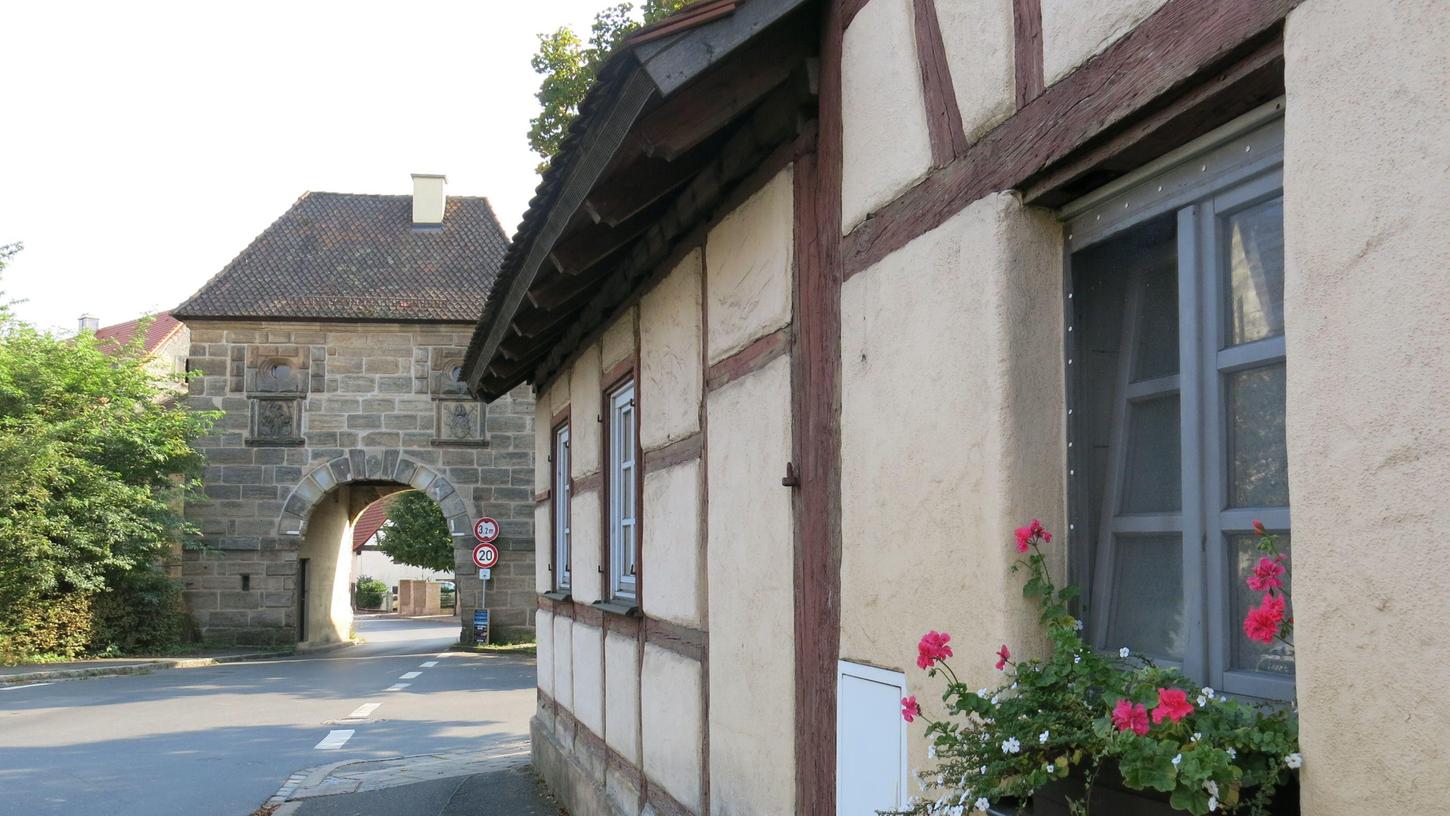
x=333, y=346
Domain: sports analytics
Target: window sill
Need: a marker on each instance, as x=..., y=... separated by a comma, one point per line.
x=619, y=606
x=559, y=595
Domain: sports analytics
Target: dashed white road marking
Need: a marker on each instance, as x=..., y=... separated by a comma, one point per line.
x=408, y=675
x=334, y=740
x=363, y=711
x=397, y=687
x=442, y=654
x=428, y=664
x=27, y=685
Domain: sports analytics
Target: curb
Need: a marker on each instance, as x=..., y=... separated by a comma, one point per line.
x=145, y=667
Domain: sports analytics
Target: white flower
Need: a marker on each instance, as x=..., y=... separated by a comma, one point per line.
x=1294, y=760
x=1232, y=754
x=1043, y=736
x=1208, y=692
x=1177, y=758
x=994, y=699
x=954, y=810
x=1077, y=658
x=1212, y=787
x=1049, y=768
x=981, y=692
x=1014, y=686
x=984, y=770
x=1123, y=653
x=1077, y=624
x=1197, y=736
x=983, y=804
x=1011, y=745
x=1212, y=803
x=931, y=751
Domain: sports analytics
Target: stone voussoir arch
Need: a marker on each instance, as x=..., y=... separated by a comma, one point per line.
x=359, y=465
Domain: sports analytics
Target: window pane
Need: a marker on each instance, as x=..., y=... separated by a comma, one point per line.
x=1147, y=597
x=1255, y=257
x=1151, y=481
x=1275, y=658
x=1156, y=354
x=1258, y=454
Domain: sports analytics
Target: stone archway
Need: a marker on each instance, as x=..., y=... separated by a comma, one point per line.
x=318, y=516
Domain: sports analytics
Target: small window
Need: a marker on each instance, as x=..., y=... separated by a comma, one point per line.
x=623, y=493
x=561, y=507
x=1177, y=362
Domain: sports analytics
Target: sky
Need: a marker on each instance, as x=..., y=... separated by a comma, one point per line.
x=144, y=144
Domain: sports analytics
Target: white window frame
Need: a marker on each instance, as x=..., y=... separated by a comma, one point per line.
x=561, y=508
x=886, y=677
x=623, y=493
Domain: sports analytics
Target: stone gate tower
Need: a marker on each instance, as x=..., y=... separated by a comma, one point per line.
x=333, y=345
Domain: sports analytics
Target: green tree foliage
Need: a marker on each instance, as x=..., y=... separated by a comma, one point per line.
x=569, y=66
x=418, y=534
x=94, y=464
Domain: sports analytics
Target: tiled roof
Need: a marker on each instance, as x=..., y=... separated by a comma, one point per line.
x=371, y=520
x=339, y=256
x=163, y=325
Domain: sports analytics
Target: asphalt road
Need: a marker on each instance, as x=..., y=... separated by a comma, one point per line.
x=220, y=740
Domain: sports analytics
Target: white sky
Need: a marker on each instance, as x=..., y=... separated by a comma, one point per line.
x=144, y=144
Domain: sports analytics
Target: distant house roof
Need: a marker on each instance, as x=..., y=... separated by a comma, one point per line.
x=340, y=256
x=162, y=327
x=371, y=520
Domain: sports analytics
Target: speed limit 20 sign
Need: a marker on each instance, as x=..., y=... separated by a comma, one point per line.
x=485, y=556
x=486, y=530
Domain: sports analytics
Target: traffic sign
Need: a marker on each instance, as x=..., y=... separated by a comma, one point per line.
x=485, y=556
x=486, y=530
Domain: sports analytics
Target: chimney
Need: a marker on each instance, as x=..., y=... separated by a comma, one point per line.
x=428, y=201
x=89, y=322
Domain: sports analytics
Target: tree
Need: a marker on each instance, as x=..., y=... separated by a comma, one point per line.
x=94, y=463
x=417, y=534
x=569, y=68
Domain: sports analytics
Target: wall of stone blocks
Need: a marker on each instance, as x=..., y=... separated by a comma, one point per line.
x=308, y=407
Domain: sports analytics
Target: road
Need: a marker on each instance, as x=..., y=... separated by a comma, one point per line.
x=220, y=740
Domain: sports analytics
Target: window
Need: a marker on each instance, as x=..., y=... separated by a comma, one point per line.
x=1177, y=369
x=561, y=507
x=623, y=490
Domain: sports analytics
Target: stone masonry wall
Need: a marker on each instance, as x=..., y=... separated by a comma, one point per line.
x=309, y=407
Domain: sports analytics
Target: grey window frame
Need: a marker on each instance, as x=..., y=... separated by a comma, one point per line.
x=561, y=494
x=1231, y=169
x=623, y=475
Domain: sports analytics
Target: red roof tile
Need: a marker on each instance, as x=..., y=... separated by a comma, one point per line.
x=371, y=520
x=163, y=325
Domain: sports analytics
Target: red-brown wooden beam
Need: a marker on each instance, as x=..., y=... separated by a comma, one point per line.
x=641, y=183
x=1027, y=50
x=1181, y=43
x=592, y=242
x=943, y=117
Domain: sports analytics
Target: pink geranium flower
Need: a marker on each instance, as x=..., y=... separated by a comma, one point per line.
x=1003, y=655
x=1031, y=531
x=1259, y=527
x=1172, y=705
x=1130, y=716
x=1263, y=622
x=933, y=647
x=909, y=709
x=1267, y=575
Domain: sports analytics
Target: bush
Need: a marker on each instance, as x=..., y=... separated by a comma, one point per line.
x=142, y=612
x=370, y=593
x=58, y=626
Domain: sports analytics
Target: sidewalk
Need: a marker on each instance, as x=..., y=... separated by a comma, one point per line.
x=110, y=666
x=499, y=782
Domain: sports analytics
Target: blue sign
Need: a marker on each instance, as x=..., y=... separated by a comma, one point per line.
x=480, y=625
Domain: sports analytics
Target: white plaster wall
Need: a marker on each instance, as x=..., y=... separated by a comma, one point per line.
x=617, y=345
x=564, y=662
x=327, y=545
x=1073, y=31
x=585, y=404
x=543, y=527
x=1367, y=324
x=588, y=663
x=979, y=40
x=671, y=694
x=674, y=584
x=671, y=373
x=748, y=268
x=751, y=599
x=557, y=397
x=886, y=147
x=584, y=545
x=544, y=662
x=621, y=703
x=952, y=435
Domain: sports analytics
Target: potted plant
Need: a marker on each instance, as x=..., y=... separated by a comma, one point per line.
x=1079, y=732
